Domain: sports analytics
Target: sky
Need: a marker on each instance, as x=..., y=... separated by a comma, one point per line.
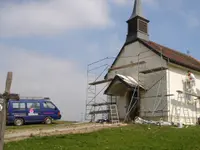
x=48, y=43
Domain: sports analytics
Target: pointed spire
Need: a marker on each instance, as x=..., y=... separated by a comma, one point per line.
x=137, y=24
x=137, y=10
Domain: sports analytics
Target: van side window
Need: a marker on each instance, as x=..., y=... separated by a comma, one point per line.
x=48, y=105
x=19, y=106
x=33, y=105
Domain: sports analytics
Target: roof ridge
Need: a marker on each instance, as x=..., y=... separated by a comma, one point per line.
x=194, y=58
x=177, y=56
x=177, y=51
x=171, y=49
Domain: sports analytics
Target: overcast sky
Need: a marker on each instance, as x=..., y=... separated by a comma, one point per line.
x=48, y=43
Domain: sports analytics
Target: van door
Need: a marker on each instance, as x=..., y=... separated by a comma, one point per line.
x=49, y=109
x=34, y=111
x=16, y=109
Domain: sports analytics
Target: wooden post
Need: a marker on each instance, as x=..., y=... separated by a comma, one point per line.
x=2, y=121
x=4, y=98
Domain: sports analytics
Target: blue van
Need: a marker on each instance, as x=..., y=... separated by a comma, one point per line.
x=30, y=110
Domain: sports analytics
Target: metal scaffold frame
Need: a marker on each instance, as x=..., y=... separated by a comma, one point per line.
x=93, y=107
x=158, y=97
x=95, y=104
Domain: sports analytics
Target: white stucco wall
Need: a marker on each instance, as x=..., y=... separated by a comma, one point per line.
x=175, y=76
x=130, y=54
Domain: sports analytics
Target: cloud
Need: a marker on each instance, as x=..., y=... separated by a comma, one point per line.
x=35, y=74
x=47, y=17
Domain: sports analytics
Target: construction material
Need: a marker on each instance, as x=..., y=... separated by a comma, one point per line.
x=139, y=120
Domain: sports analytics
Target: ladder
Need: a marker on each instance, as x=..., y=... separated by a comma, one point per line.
x=114, y=113
x=178, y=111
x=186, y=116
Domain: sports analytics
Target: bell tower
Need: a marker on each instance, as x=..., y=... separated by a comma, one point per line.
x=137, y=24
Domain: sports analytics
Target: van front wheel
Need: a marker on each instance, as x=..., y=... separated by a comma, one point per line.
x=48, y=120
x=18, y=122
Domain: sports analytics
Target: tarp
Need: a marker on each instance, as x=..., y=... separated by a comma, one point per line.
x=129, y=80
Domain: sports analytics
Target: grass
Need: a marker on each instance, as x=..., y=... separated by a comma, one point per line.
x=33, y=126
x=132, y=137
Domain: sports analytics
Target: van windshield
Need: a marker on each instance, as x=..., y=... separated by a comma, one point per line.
x=49, y=105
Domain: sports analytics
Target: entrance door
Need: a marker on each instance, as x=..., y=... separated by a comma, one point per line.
x=134, y=110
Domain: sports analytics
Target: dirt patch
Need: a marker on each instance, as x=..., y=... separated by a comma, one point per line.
x=58, y=130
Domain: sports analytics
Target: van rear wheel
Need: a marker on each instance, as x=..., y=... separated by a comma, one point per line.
x=18, y=121
x=48, y=120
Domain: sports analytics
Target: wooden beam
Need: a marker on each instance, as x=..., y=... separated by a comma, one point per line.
x=126, y=66
x=153, y=70
x=101, y=81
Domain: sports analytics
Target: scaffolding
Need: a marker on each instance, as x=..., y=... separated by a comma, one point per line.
x=143, y=75
x=154, y=90
x=97, y=103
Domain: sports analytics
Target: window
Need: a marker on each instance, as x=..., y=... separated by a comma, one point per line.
x=48, y=105
x=143, y=26
x=33, y=105
x=19, y=106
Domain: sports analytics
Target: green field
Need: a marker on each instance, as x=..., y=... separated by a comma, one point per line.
x=132, y=137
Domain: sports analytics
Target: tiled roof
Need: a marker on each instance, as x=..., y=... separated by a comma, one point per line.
x=173, y=55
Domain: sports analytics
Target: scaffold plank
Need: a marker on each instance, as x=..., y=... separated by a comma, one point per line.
x=102, y=104
x=99, y=112
x=192, y=94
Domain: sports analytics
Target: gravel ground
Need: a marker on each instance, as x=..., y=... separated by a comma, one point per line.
x=15, y=135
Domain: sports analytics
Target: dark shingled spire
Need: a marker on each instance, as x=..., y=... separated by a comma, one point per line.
x=137, y=24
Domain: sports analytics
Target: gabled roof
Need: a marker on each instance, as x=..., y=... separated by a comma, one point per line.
x=168, y=54
x=174, y=56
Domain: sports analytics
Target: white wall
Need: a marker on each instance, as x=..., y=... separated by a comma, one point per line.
x=175, y=75
x=152, y=60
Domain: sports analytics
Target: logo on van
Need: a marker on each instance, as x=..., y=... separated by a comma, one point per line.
x=31, y=112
